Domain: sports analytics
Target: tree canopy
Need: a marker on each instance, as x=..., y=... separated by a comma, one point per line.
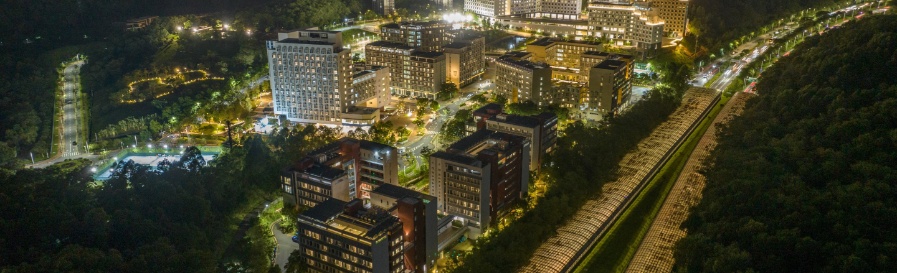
x=804, y=180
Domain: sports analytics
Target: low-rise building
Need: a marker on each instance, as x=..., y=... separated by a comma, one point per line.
x=520, y=80
x=478, y=177
x=339, y=236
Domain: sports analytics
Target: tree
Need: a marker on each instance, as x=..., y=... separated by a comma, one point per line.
x=191, y=160
x=447, y=91
x=295, y=264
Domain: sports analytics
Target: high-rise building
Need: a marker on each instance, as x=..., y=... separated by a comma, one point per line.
x=414, y=73
x=540, y=130
x=478, y=177
x=311, y=76
x=610, y=85
x=344, y=237
x=426, y=36
x=417, y=212
x=520, y=80
x=628, y=24
x=465, y=59
x=344, y=169
x=674, y=14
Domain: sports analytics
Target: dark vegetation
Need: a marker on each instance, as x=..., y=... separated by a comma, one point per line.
x=585, y=159
x=803, y=181
x=715, y=23
x=181, y=220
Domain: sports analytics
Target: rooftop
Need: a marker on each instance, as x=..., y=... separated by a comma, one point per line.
x=471, y=144
x=610, y=64
x=459, y=158
x=396, y=192
x=525, y=121
x=427, y=54
x=524, y=63
x=492, y=107
x=375, y=146
x=326, y=210
x=325, y=171
x=390, y=45
x=308, y=42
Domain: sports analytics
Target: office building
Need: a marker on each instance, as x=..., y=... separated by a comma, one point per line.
x=310, y=75
x=674, y=14
x=339, y=236
x=414, y=73
x=344, y=169
x=610, y=85
x=520, y=80
x=465, y=60
x=634, y=25
x=417, y=212
x=478, y=177
x=540, y=131
x=425, y=36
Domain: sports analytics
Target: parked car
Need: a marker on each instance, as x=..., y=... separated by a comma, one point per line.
x=296, y=238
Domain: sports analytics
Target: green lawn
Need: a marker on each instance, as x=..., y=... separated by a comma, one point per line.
x=614, y=251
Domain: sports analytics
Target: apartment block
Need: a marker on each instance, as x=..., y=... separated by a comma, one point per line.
x=339, y=236
x=371, y=87
x=478, y=177
x=344, y=169
x=426, y=36
x=592, y=58
x=465, y=60
x=414, y=73
x=561, y=53
x=521, y=80
x=540, y=131
x=417, y=212
x=610, y=86
x=628, y=24
x=310, y=75
x=546, y=9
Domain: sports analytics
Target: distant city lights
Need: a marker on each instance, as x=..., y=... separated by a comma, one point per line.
x=457, y=17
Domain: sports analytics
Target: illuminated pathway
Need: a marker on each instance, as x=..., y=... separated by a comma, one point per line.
x=560, y=252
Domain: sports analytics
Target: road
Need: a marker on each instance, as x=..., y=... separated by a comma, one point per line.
x=446, y=112
x=285, y=246
x=71, y=115
x=69, y=144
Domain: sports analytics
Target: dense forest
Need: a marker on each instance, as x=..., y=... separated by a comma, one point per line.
x=804, y=180
x=182, y=219
x=717, y=22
